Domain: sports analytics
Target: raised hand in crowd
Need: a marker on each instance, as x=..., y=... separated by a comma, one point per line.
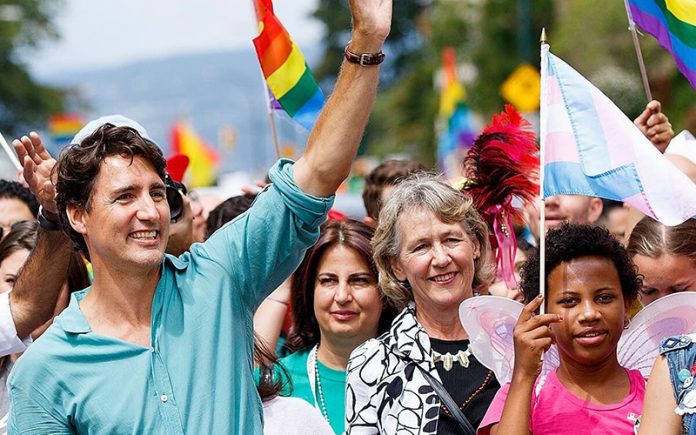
x=33, y=298
x=37, y=173
x=533, y=337
x=323, y=168
x=655, y=125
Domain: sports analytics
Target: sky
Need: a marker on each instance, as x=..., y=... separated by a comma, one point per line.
x=106, y=33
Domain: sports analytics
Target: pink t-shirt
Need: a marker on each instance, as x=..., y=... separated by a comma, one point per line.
x=555, y=410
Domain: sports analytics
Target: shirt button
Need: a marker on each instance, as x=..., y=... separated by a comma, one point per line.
x=164, y=398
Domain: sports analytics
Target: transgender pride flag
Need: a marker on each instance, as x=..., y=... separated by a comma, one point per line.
x=591, y=148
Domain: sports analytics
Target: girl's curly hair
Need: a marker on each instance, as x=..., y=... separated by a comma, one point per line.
x=570, y=241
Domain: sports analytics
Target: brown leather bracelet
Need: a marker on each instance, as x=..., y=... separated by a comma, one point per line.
x=363, y=59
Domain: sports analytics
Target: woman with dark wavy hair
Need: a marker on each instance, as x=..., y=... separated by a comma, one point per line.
x=337, y=305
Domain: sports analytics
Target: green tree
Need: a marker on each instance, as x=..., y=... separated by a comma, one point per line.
x=403, y=38
x=404, y=116
x=506, y=28
x=23, y=101
x=606, y=56
x=484, y=33
x=492, y=38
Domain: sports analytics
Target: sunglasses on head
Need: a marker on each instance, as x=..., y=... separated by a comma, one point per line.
x=175, y=190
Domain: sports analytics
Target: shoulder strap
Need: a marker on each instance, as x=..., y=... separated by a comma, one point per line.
x=447, y=400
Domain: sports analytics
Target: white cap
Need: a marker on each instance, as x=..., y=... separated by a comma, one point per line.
x=116, y=120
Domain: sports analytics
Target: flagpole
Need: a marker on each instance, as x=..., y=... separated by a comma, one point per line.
x=542, y=160
x=639, y=53
x=10, y=154
x=271, y=119
x=267, y=99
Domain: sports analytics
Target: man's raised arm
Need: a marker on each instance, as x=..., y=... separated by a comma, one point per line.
x=34, y=296
x=334, y=141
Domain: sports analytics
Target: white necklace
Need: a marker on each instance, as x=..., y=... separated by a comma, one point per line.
x=462, y=357
x=315, y=382
x=322, y=403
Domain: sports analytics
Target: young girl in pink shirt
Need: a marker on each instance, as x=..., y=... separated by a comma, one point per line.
x=590, y=285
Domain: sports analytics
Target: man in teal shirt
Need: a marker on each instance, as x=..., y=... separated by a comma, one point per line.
x=161, y=344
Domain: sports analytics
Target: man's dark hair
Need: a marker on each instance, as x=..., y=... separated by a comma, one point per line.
x=388, y=173
x=79, y=165
x=570, y=241
x=228, y=210
x=14, y=190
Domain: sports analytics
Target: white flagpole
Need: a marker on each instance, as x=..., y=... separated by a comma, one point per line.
x=10, y=153
x=542, y=149
x=639, y=53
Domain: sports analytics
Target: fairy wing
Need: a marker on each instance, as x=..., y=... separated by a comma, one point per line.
x=640, y=343
x=490, y=321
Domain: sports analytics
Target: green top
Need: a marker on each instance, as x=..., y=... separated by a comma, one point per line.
x=333, y=385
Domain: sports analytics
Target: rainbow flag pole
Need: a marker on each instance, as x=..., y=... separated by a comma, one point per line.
x=268, y=97
x=673, y=24
x=456, y=127
x=639, y=53
x=285, y=69
x=260, y=8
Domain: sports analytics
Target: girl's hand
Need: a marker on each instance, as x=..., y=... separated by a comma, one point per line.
x=532, y=337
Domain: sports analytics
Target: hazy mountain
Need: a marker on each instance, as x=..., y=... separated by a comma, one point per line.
x=212, y=91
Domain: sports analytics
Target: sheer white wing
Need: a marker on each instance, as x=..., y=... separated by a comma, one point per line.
x=490, y=321
x=671, y=315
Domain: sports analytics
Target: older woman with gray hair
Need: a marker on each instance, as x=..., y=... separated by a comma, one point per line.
x=432, y=251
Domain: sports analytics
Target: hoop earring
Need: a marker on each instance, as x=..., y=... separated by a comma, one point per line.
x=627, y=323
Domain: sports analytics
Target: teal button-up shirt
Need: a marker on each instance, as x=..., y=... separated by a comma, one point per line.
x=196, y=377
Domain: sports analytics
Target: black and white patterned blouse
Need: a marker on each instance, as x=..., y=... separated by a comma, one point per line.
x=385, y=392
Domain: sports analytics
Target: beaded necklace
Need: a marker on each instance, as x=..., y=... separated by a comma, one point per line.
x=315, y=379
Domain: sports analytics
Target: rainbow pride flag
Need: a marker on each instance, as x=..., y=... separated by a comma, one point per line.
x=673, y=24
x=64, y=126
x=284, y=67
x=458, y=129
x=591, y=148
x=203, y=157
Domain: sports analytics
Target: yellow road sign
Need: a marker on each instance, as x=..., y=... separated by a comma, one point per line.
x=522, y=88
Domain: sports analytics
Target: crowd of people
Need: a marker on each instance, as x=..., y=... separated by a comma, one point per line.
x=129, y=306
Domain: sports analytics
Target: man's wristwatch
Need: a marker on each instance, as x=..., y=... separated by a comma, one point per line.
x=46, y=223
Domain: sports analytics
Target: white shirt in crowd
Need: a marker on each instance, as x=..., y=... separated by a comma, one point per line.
x=9, y=342
x=293, y=416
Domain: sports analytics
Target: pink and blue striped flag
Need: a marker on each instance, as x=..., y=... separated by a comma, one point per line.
x=673, y=24
x=591, y=148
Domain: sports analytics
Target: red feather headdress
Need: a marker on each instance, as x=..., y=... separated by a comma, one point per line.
x=503, y=163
